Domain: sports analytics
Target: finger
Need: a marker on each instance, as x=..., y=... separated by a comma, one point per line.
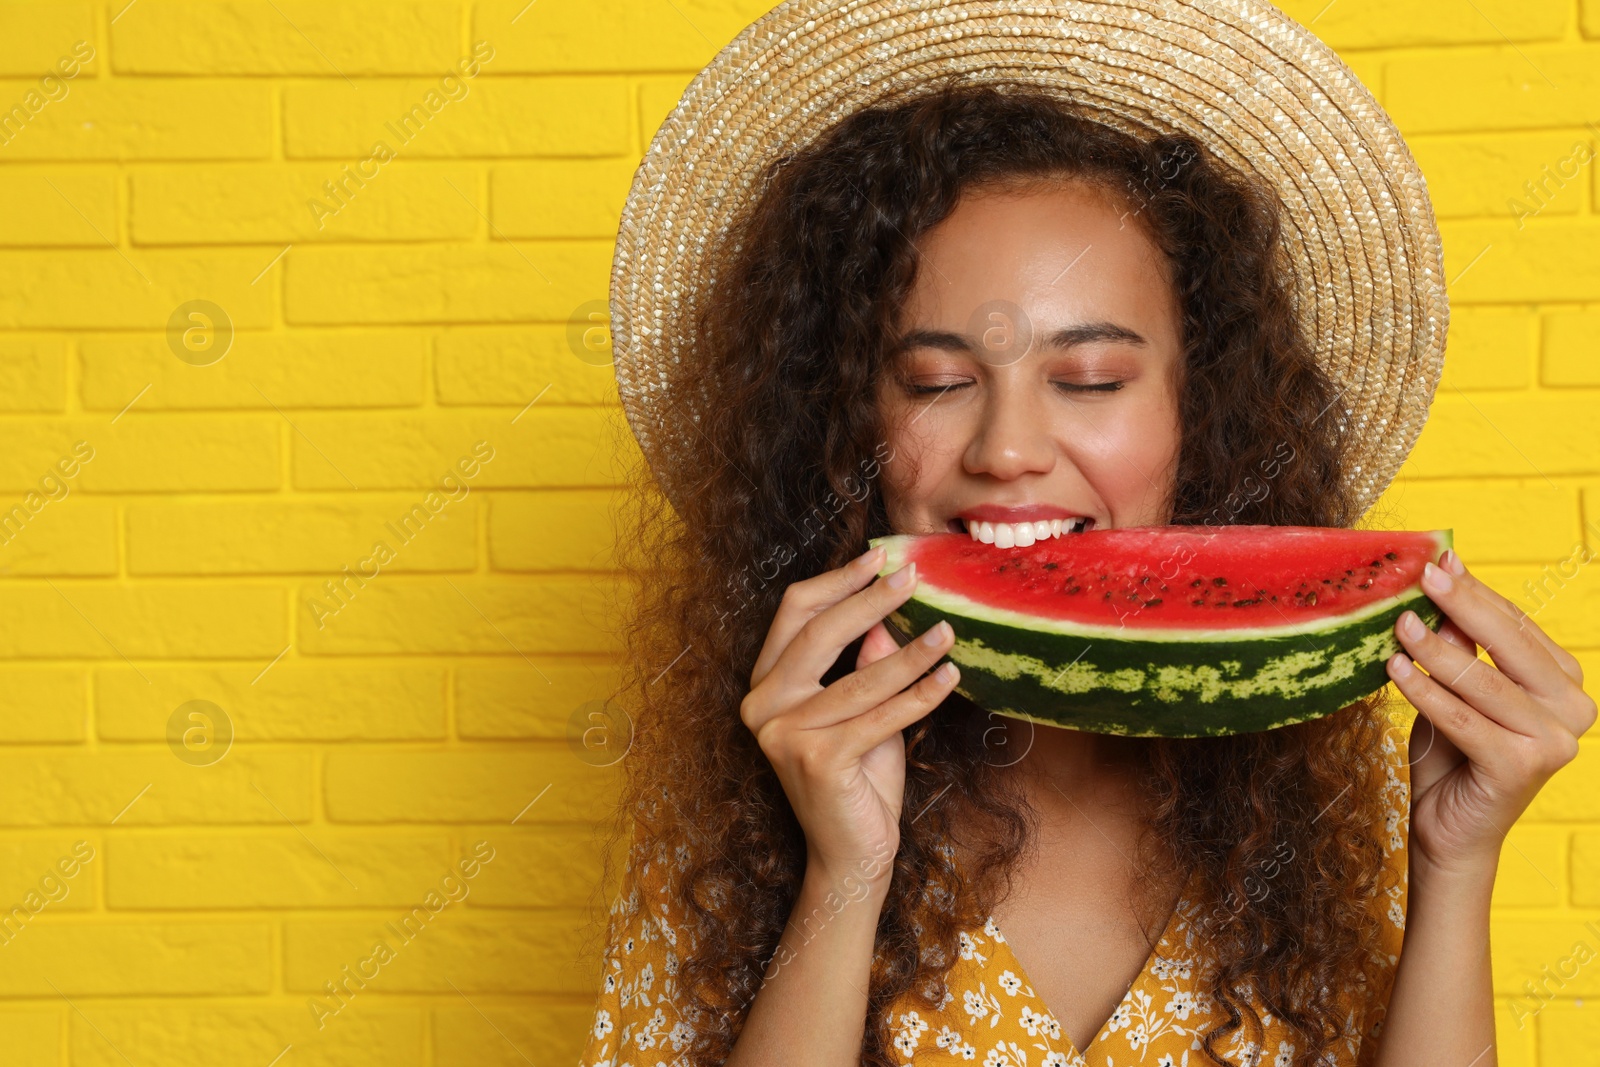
x=878, y=643
x=876, y=682
x=1484, y=687
x=816, y=645
x=1456, y=636
x=802, y=600
x=864, y=732
x=1429, y=754
x=1478, y=737
x=1565, y=660
x=1515, y=650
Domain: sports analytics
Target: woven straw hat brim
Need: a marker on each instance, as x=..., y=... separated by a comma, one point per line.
x=1257, y=88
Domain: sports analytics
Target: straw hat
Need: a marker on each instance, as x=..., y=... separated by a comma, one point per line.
x=1257, y=88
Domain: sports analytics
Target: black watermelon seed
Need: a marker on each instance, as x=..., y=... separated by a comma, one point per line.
x=1198, y=603
x=1243, y=603
x=1152, y=603
x=1196, y=583
x=1390, y=555
x=1219, y=581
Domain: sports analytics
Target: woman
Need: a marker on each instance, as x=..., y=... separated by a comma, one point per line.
x=942, y=311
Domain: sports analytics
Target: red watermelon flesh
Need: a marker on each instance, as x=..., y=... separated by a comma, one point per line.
x=1184, y=577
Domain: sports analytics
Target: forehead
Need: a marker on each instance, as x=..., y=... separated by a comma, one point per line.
x=1063, y=250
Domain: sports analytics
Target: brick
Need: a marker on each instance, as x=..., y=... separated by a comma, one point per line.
x=1477, y=90
x=95, y=621
x=300, y=37
x=33, y=1036
x=291, y=701
x=262, y=371
x=140, y=453
x=373, y=200
x=559, y=529
x=1590, y=17
x=1573, y=793
x=545, y=447
x=72, y=537
x=1489, y=348
x=1547, y=434
x=570, y=198
x=375, y=785
x=1586, y=867
x=43, y=704
x=32, y=373
x=298, y=537
x=1520, y=175
x=549, y=37
x=38, y=867
x=1530, y=949
x=1547, y=259
x=141, y=119
x=1546, y=527
x=1571, y=351
x=554, y=116
x=33, y=37
x=558, y=868
x=210, y=1033
x=271, y=870
x=472, y=954
x=520, y=702
x=56, y=206
x=1410, y=23
x=139, y=289
x=506, y=1036
x=1562, y=594
x=512, y=365
x=89, y=789
x=498, y=282
x=145, y=958
x=1569, y=1030
x=1533, y=868
x=399, y=616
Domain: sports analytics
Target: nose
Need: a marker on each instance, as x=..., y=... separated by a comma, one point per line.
x=1012, y=439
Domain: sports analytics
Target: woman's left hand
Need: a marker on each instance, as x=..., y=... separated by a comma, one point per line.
x=1487, y=737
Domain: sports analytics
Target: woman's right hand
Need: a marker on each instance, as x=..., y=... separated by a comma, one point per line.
x=838, y=750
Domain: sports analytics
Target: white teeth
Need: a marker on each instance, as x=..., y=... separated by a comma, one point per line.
x=1022, y=534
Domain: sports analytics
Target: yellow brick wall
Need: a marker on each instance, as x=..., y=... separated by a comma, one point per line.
x=196, y=525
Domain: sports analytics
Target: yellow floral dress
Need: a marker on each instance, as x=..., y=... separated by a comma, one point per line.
x=990, y=1014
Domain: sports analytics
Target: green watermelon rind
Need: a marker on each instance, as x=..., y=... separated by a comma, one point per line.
x=1149, y=683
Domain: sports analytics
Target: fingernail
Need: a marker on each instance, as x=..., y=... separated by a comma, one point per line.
x=1400, y=665
x=1435, y=580
x=937, y=634
x=902, y=577
x=1452, y=562
x=1410, y=625
x=871, y=555
x=947, y=672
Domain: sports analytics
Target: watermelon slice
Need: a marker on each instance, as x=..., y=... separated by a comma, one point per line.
x=1169, y=631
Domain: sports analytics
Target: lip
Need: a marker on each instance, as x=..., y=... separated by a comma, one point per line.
x=1016, y=513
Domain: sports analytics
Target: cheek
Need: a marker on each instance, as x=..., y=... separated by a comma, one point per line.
x=1130, y=457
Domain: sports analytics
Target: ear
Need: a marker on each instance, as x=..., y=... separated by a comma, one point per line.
x=877, y=644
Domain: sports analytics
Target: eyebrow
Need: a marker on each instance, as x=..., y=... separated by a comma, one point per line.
x=1063, y=338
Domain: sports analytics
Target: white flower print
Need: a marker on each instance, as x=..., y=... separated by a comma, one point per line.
x=911, y=1028
x=602, y=1023
x=1285, y=1056
x=1033, y=1021
x=1006, y=1054
x=1123, y=1016
x=1181, y=1004
x=992, y=930
x=982, y=1003
x=1010, y=982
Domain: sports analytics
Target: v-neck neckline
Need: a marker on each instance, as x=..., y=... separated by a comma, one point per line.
x=1073, y=1053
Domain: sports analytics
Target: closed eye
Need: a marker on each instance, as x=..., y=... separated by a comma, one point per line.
x=1070, y=387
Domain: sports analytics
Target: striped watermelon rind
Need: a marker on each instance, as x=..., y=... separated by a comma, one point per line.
x=1158, y=682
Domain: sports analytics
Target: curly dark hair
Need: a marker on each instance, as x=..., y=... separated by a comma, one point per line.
x=809, y=283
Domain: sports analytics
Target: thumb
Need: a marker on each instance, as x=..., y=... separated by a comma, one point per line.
x=877, y=644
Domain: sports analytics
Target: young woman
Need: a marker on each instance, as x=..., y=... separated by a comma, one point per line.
x=947, y=314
